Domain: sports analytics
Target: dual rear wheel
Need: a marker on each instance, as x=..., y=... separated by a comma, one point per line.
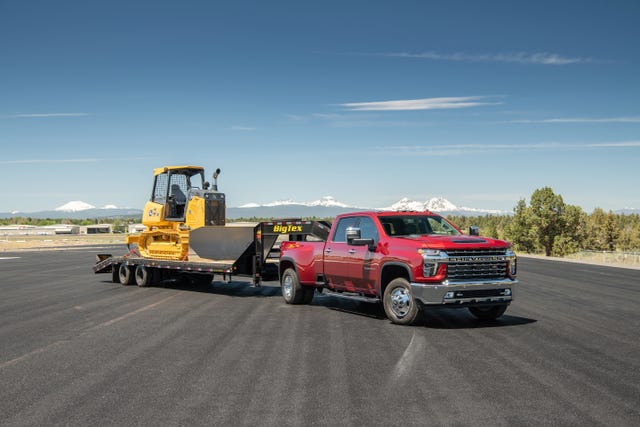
x=139, y=275
x=292, y=291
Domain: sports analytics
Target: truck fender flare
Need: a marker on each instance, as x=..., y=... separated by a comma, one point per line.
x=286, y=260
x=397, y=264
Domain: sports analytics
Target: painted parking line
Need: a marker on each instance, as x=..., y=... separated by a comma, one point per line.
x=9, y=257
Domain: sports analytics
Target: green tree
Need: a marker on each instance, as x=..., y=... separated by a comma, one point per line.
x=604, y=230
x=547, y=217
x=519, y=230
x=574, y=234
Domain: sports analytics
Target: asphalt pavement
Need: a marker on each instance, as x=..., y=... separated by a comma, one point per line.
x=76, y=349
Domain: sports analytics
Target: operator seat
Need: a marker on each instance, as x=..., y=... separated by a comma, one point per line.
x=177, y=202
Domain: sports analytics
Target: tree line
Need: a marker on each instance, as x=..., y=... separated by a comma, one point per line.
x=546, y=225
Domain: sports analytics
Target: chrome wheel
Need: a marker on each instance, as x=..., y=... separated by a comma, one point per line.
x=287, y=287
x=400, y=302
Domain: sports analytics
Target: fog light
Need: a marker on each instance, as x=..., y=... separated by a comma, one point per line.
x=507, y=292
x=448, y=295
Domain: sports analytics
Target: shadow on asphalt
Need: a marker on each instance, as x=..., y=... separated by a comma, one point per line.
x=460, y=318
x=437, y=318
x=440, y=318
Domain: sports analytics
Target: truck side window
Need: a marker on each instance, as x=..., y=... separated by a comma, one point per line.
x=368, y=229
x=340, y=235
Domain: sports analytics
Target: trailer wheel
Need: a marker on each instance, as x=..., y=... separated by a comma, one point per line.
x=488, y=313
x=202, y=280
x=156, y=276
x=115, y=273
x=125, y=275
x=399, y=304
x=143, y=276
x=292, y=291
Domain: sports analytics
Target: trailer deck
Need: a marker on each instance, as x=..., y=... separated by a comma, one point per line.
x=229, y=251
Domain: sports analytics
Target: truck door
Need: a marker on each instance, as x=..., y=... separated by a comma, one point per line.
x=337, y=259
x=363, y=266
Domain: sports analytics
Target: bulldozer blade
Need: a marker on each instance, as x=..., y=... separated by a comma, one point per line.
x=219, y=243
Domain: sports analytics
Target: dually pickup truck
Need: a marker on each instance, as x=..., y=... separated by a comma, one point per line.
x=409, y=261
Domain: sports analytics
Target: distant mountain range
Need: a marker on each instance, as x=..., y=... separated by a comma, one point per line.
x=324, y=207
x=328, y=207
x=77, y=210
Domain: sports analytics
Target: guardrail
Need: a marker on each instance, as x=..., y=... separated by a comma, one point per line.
x=625, y=258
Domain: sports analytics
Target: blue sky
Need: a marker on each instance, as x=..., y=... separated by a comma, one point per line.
x=367, y=101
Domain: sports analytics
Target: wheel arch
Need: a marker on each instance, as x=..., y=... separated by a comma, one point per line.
x=284, y=264
x=393, y=270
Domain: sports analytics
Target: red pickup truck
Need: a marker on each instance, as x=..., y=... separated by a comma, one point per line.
x=407, y=261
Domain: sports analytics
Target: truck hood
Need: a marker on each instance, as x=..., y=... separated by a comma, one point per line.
x=454, y=242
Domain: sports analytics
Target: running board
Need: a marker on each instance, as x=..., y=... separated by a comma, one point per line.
x=350, y=295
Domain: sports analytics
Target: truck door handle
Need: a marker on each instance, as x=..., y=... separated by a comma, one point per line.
x=327, y=251
x=352, y=251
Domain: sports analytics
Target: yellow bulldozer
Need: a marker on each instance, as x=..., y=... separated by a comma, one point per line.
x=181, y=203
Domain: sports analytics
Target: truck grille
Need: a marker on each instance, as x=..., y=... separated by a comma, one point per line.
x=476, y=252
x=474, y=267
x=480, y=270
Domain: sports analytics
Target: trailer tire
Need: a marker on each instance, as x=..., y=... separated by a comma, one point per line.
x=399, y=305
x=488, y=313
x=156, y=275
x=203, y=280
x=143, y=276
x=292, y=291
x=125, y=275
x=115, y=273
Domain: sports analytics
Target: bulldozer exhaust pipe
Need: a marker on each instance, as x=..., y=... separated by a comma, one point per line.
x=215, y=179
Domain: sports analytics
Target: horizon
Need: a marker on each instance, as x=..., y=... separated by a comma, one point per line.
x=368, y=102
x=76, y=206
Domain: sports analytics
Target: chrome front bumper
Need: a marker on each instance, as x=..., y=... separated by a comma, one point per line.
x=465, y=292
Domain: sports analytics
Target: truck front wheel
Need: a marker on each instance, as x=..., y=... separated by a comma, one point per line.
x=292, y=291
x=399, y=304
x=488, y=313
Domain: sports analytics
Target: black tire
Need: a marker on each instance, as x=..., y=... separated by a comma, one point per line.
x=488, y=313
x=143, y=276
x=399, y=305
x=125, y=275
x=115, y=274
x=203, y=280
x=292, y=291
x=308, y=294
x=156, y=276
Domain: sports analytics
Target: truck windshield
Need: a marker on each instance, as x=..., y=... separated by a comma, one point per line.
x=416, y=225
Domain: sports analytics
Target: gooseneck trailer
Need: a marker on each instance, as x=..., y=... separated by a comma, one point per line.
x=229, y=250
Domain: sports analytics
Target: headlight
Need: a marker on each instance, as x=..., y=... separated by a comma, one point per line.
x=430, y=258
x=429, y=252
x=513, y=262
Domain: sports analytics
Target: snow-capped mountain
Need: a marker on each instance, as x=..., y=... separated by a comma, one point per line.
x=325, y=201
x=326, y=206
x=74, y=206
x=436, y=204
x=439, y=205
x=328, y=201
